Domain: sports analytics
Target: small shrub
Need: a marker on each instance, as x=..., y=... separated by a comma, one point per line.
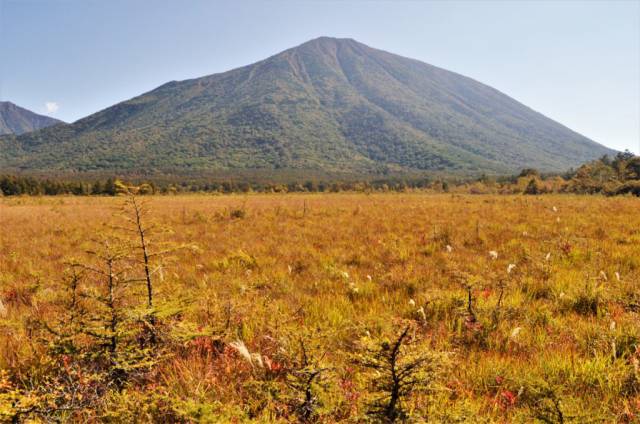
x=588, y=301
x=237, y=213
x=398, y=373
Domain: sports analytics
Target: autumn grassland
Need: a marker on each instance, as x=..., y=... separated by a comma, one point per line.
x=517, y=308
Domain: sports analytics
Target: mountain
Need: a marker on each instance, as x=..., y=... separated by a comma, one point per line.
x=333, y=105
x=17, y=120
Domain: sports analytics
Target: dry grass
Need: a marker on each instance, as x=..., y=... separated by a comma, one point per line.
x=349, y=268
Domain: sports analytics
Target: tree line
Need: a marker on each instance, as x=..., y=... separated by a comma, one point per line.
x=608, y=175
x=14, y=185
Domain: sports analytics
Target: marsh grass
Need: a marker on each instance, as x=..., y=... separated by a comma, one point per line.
x=341, y=271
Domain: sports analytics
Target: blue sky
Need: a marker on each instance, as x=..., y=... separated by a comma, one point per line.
x=576, y=62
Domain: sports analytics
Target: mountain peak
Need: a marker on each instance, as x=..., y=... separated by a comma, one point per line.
x=330, y=105
x=17, y=120
x=328, y=42
x=4, y=105
x=327, y=39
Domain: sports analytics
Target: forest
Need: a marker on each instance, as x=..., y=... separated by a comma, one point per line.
x=607, y=176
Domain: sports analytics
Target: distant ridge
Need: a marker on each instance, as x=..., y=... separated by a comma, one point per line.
x=17, y=120
x=330, y=105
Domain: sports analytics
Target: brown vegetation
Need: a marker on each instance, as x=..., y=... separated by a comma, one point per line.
x=320, y=307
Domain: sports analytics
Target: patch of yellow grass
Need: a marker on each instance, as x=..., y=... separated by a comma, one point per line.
x=356, y=266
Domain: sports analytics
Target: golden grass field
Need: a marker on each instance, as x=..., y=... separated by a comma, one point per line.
x=339, y=272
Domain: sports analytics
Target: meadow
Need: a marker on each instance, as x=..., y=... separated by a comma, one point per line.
x=327, y=308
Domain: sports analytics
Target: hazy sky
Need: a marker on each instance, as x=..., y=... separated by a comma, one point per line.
x=577, y=62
